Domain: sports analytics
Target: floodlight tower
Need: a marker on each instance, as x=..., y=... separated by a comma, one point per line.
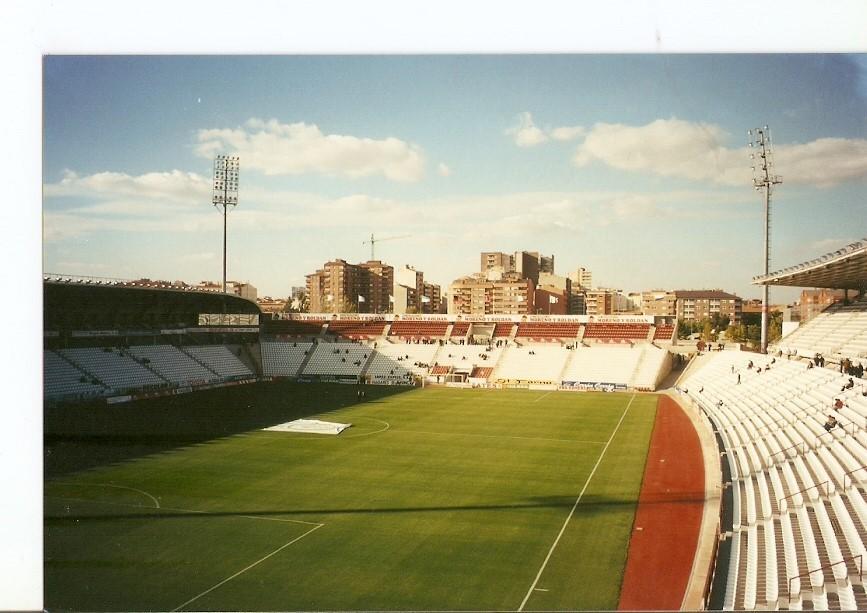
x=226, y=170
x=764, y=180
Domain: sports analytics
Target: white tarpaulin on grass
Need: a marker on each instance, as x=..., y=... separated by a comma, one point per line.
x=310, y=426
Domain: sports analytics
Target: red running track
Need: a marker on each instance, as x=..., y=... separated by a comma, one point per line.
x=667, y=521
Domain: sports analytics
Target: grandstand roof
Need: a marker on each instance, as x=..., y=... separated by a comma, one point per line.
x=845, y=268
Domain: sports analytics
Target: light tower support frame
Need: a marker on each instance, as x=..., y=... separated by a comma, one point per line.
x=226, y=174
x=764, y=180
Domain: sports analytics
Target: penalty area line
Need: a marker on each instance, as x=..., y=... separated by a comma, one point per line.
x=574, y=506
x=245, y=569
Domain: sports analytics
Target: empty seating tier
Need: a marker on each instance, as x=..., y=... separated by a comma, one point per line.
x=461, y=328
x=340, y=359
x=356, y=330
x=548, y=330
x=503, y=329
x=63, y=379
x=283, y=359
x=172, y=364
x=221, y=360
x=664, y=332
x=839, y=329
x=419, y=329
x=616, y=332
x=113, y=368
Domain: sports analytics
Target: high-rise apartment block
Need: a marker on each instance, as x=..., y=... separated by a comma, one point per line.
x=581, y=278
x=695, y=305
x=510, y=294
x=340, y=287
x=526, y=263
x=659, y=302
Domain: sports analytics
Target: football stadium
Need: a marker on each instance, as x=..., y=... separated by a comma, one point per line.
x=354, y=436
x=249, y=461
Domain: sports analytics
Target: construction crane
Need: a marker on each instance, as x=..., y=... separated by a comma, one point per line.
x=374, y=240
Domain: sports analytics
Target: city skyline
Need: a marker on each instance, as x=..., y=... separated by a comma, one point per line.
x=635, y=167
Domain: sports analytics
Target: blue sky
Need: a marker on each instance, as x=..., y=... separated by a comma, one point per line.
x=634, y=166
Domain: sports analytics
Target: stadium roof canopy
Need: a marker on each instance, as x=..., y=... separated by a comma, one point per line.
x=845, y=268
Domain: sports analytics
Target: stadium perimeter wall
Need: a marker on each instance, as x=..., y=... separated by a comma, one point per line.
x=698, y=588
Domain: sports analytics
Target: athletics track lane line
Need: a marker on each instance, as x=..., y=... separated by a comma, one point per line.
x=574, y=506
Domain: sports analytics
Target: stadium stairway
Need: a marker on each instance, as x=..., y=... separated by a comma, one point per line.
x=502, y=360
x=562, y=375
x=200, y=362
x=633, y=378
x=366, y=366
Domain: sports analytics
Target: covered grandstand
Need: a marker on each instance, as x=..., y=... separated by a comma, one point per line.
x=791, y=427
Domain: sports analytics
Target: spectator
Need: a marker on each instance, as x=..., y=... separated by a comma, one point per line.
x=829, y=425
x=838, y=404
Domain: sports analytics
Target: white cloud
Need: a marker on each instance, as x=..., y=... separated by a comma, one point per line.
x=174, y=185
x=525, y=133
x=824, y=162
x=698, y=151
x=276, y=148
x=443, y=170
x=568, y=132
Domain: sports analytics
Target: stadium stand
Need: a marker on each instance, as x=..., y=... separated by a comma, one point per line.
x=62, y=379
x=503, y=329
x=338, y=359
x=283, y=359
x=800, y=519
x=466, y=357
x=460, y=329
x=221, y=360
x=112, y=367
x=356, y=330
x=418, y=329
x=532, y=363
x=603, y=364
x=172, y=364
x=410, y=357
x=155, y=338
x=840, y=330
x=664, y=332
x=616, y=331
x=545, y=331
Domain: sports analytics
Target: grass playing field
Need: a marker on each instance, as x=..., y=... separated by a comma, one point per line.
x=435, y=499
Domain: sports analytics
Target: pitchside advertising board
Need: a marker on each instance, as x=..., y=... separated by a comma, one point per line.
x=228, y=319
x=598, y=386
x=581, y=319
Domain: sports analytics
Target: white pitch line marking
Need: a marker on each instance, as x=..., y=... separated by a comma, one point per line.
x=175, y=510
x=574, y=506
x=542, y=396
x=120, y=487
x=245, y=569
x=522, y=438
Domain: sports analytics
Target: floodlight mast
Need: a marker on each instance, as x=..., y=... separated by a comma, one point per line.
x=764, y=180
x=226, y=171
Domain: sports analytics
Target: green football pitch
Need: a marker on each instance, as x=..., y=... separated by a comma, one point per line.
x=434, y=499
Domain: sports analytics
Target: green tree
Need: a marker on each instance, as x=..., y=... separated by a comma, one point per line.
x=707, y=333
